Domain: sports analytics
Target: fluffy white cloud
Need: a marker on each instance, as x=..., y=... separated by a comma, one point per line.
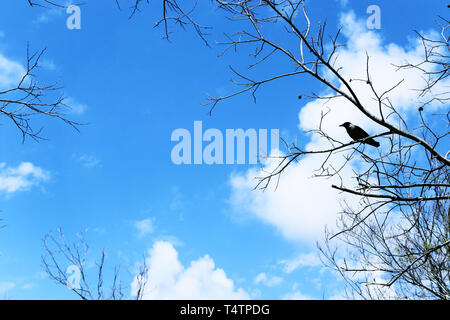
x=302, y=260
x=269, y=281
x=10, y=72
x=76, y=107
x=144, y=227
x=169, y=279
x=295, y=294
x=22, y=177
x=301, y=206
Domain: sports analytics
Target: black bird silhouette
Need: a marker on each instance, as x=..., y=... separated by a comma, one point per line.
x=356, y=133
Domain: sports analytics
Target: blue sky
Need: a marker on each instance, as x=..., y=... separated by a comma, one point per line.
x=115, y=178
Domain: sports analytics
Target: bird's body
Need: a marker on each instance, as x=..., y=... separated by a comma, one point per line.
x=356, y=133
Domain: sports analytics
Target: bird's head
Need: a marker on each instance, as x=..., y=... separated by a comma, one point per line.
x=345, y=124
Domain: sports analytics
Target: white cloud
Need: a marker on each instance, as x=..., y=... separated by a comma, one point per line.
x=144, y=227
x=10, y=72
x=53, y=12
x=75, y=107
x=302, y=206
x=89, y=161
x=29, y=286
x=22, y=177
x=48, y=15
x=295, y=295
x=269, y=281
x=299, y=208
x=342, y=3
x=169, y=279
x=302, y=260
x=48, y=64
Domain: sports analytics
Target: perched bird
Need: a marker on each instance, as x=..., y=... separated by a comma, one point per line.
x=356, y=133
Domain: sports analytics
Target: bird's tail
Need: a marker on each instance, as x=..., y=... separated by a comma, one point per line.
x=372, y=142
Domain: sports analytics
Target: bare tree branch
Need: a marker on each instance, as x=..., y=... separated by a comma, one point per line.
x=61, y=255
x=30, y=99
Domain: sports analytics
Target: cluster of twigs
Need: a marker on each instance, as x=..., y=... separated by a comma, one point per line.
x=173, y=13
x=30, y=99
x=60, y=255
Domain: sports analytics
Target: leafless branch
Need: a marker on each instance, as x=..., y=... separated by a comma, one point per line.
x=30, y=99
x=61, y=255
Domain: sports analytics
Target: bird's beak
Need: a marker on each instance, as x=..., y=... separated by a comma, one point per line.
x=341, y=125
